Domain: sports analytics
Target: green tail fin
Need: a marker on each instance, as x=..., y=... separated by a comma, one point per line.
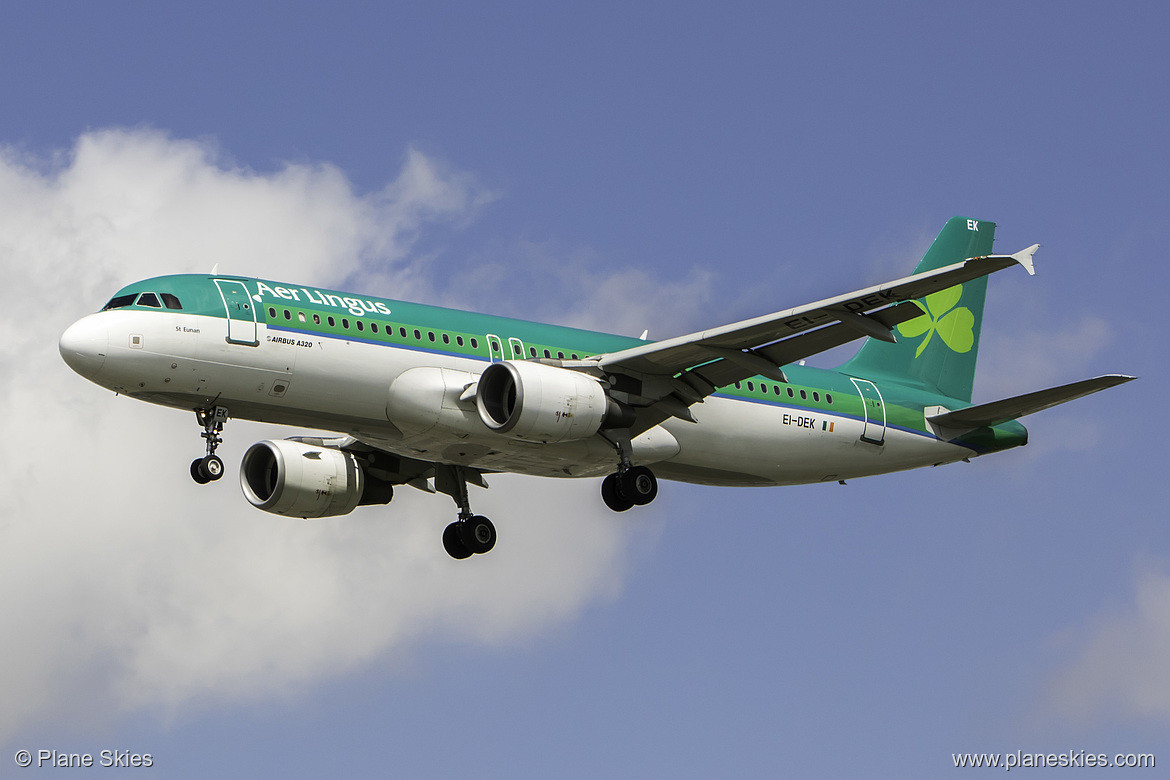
x=936, y=351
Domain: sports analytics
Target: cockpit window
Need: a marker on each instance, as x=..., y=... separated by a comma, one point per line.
x=120, y=302
x=149, y=299
x=171, y=302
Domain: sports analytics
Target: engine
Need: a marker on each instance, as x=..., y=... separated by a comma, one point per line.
x=538, y=402
x=295, y=479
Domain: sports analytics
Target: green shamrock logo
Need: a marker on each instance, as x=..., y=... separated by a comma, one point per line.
x=955, y=326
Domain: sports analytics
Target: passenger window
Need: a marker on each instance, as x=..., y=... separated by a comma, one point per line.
x=775, y=389
x=803, y=395
x=532, y=351
x=402, y=332
x=737, y=387
x=316, y=319
x=817, y=397
x=149, y=299
x=560, y=356
x=345, y=322
x=374, y=327
x=790, y=393
x=360, y=325
x=474, y=343
x=751, y=387
x=431, y=335
x=301, y=316
x=417, y=335
x=446, y=339
x=287, y=314
x=272, y=312
x=459, y=340
x=547, y=354
x=575, y=356
x=170, y=301
x=828, y=398
x=119, y=302
x=332, y=323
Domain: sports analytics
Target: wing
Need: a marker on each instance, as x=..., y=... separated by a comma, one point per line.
x=998, y=412
x=662, y=379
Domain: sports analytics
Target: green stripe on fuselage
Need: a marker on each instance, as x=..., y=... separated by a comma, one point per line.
x=200, y=296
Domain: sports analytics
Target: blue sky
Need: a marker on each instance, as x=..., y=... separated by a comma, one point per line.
x=620, y=168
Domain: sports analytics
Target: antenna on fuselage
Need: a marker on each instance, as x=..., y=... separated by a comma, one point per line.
x=215, y=270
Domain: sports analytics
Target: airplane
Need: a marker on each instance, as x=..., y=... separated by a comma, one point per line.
x=436, y=398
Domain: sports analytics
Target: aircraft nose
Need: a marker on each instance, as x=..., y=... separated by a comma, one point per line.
x=84, y=345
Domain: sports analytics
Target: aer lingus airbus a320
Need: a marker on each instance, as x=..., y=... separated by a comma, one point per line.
x=435, y=398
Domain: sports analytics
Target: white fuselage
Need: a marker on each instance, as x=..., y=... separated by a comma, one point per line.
x=364, y=390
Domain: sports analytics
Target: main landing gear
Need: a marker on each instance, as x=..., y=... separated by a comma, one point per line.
x=209, y=468
x=470, y=534
x=630, y=485
x=636, y=486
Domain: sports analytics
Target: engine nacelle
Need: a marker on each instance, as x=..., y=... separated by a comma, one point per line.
x=538, y=402
x=295, y=479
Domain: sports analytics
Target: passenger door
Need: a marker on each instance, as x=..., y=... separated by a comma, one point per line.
x=241, y=312
x=874, y=408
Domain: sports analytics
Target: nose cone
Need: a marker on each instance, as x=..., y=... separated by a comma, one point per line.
x=84, y=344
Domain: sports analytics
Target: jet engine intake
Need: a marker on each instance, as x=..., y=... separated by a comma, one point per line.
x=538, y=402
x=295, y=479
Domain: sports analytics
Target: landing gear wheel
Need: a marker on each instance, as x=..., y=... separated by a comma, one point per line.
x=197, y=472
x=212, y=466
x=209, y=468
x=612, y=496
x=478, y=534
x=638, y=485
x=453, y=543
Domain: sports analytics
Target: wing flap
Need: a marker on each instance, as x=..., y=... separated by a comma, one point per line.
x=996, y=412
x=720, y=373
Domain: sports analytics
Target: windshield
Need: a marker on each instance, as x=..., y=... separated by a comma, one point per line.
x=120, y=302
x=144, y=299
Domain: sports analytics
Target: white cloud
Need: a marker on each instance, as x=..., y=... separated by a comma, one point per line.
x=123, y=582
x=579, y=290
x=1120, y=665
x=1031, y=357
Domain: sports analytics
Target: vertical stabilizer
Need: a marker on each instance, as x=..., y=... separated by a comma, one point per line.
x=937, y=351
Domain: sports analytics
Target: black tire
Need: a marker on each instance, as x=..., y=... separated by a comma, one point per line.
x=638, y=485
x=197, y=472
x=478, y=534
x=212, y=467
x=453, y=543
x=612, y=496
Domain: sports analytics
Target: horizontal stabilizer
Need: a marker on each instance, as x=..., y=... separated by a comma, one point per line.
x=998, y=412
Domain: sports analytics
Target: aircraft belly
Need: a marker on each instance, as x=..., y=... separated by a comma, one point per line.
x=591, y=457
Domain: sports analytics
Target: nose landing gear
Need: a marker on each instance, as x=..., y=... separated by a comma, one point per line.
x=209, y=468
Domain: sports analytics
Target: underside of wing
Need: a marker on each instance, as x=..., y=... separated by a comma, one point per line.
x=394, y=469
